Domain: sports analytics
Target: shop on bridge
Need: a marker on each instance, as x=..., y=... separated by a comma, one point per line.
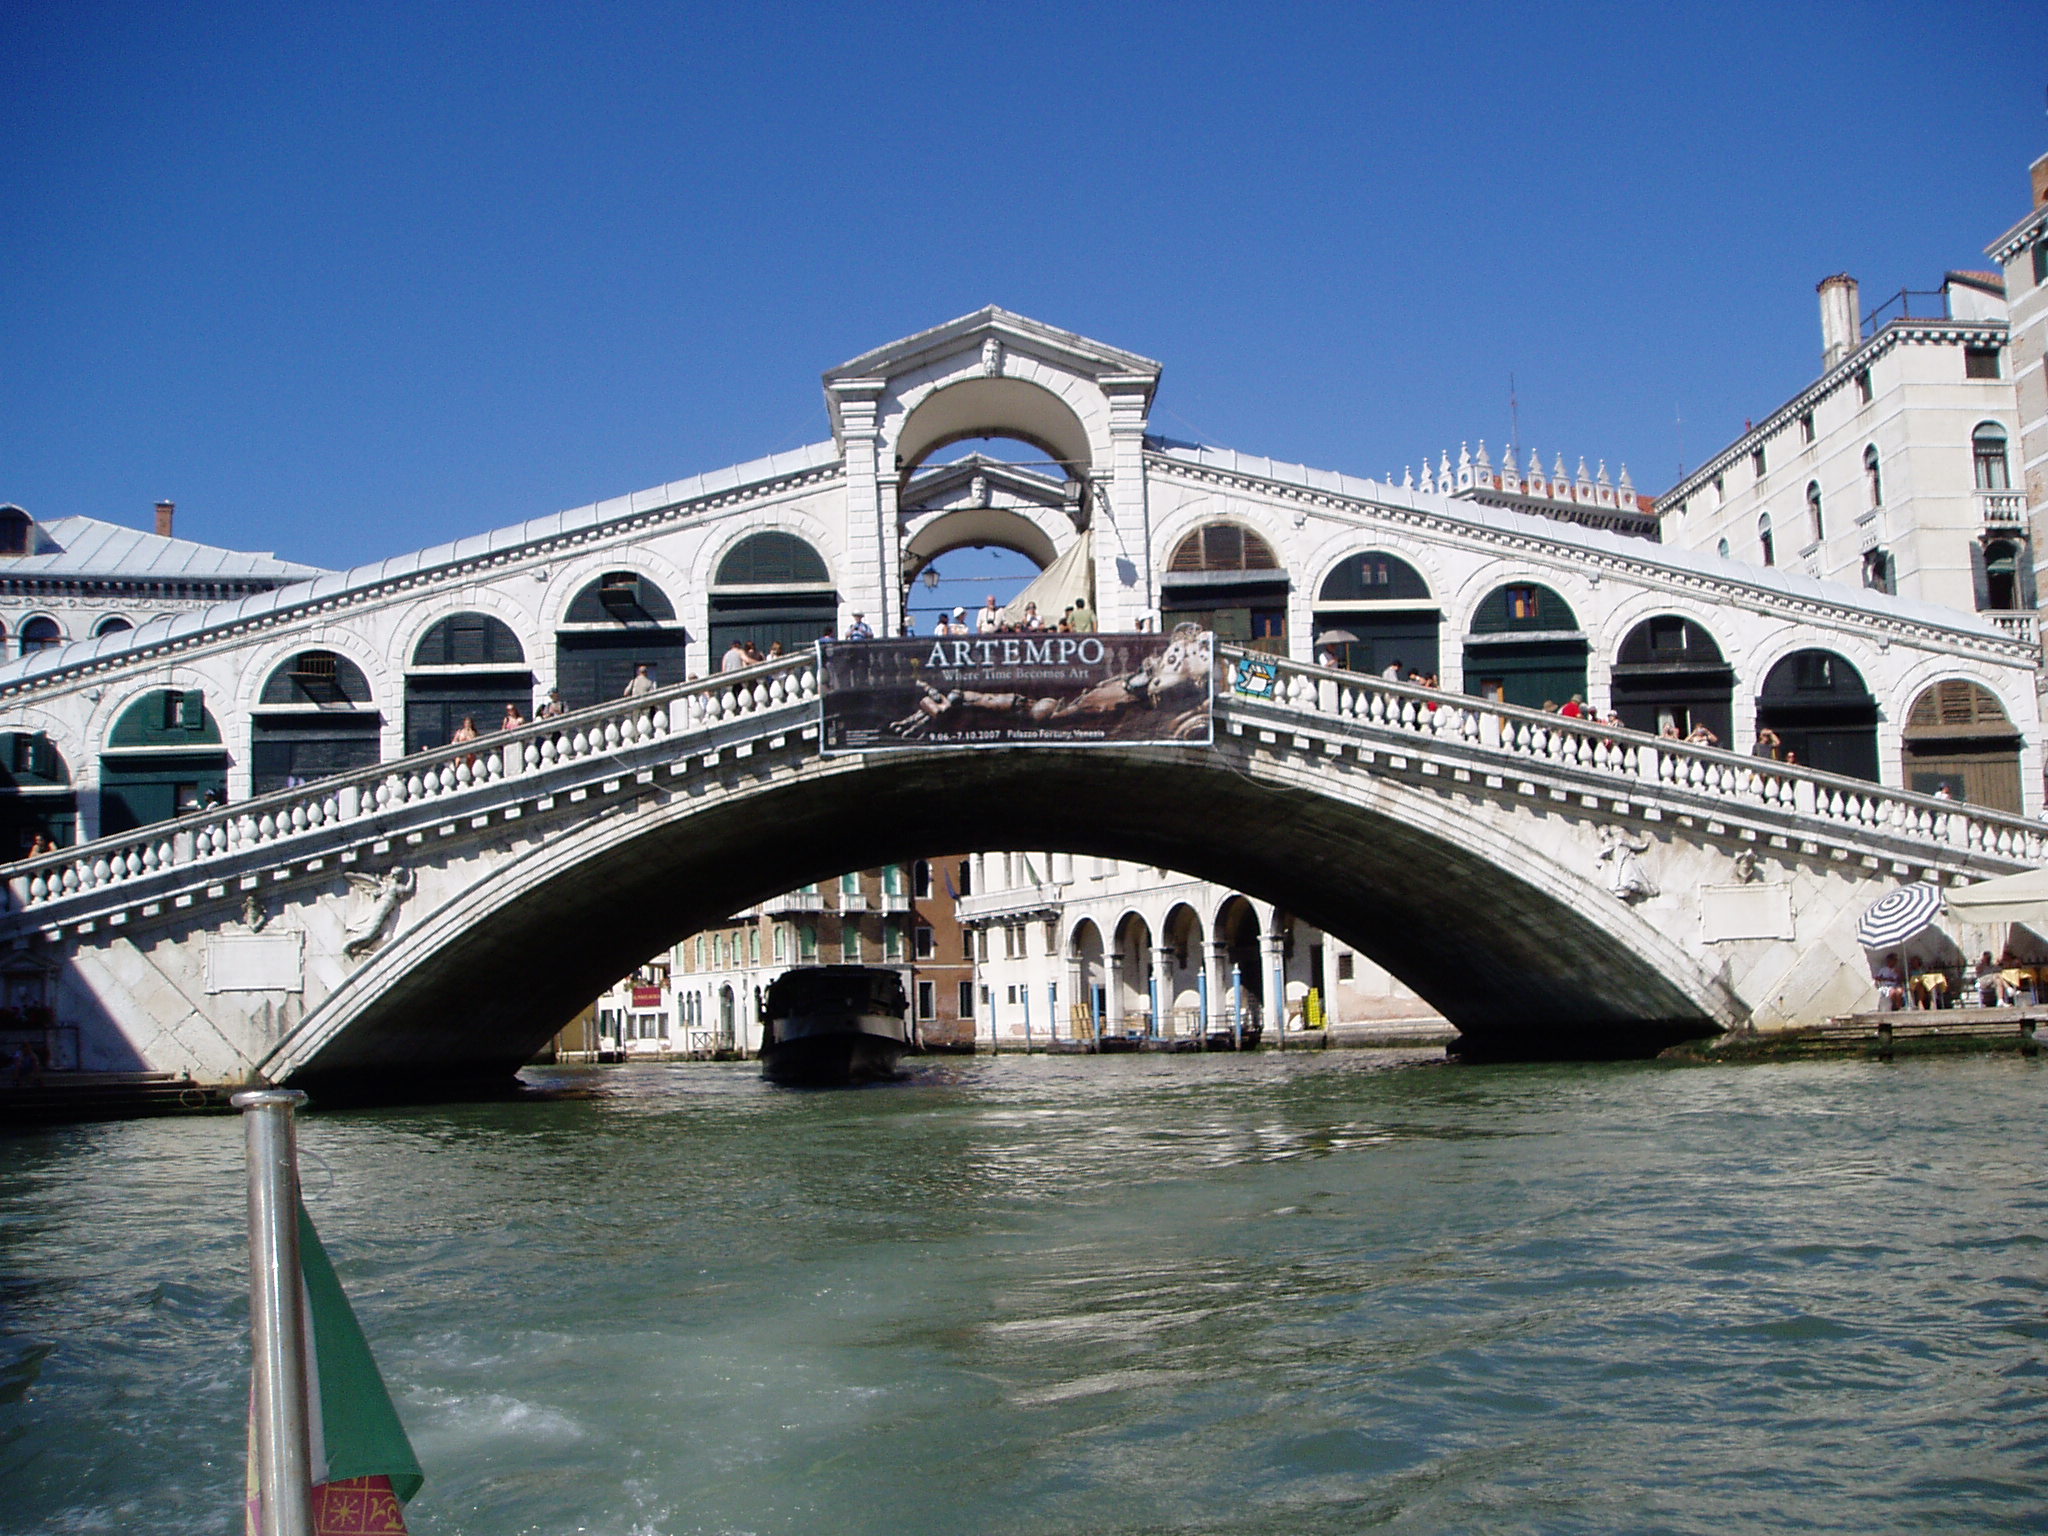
x=1227, y=579
x=773, y=589
x=163, y=757
x=315, y=717
x=468, y=666
x=1822, y=712
x=618, y=623
x=1958, y=738
x=1373, y=612
x=36, y=797
x=1669, y=675
x=1525, y=647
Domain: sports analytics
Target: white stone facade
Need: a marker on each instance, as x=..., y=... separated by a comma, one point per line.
x=1879, y=473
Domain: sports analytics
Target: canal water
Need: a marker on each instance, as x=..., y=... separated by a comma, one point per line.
x=1321, y=1293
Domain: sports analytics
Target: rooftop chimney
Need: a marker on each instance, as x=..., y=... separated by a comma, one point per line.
x=164, y=510
x=1841, y=318
x=2039, y=172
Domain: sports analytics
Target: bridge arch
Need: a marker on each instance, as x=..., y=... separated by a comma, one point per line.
x=1041, y=407
x=1225, y=573
x=1958, y=737
x=1670, y=671
x=384, y=671
x=1500, y=936
x=1823, y=710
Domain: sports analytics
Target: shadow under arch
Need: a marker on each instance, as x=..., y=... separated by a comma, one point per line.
x=1530, y=960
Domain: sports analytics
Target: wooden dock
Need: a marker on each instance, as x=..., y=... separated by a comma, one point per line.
x=1885, y=1036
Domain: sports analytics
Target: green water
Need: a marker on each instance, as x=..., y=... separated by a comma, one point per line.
x=1324, y=1293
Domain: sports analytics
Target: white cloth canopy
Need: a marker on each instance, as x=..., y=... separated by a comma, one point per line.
x=2020, y=898
x=1054, y=589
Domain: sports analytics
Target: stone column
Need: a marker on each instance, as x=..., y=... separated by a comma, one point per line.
x=1219, y=985
x=863, y=574
x=1162, y=990
x=1123, y=555
x=1275, y=946
x=1074, y=994
x=1113, y=990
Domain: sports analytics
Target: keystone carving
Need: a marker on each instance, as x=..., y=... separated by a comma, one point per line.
x=386, y=893
x=1622, y=853
x=1746, y=872
x=991, y=358
x=254, y=914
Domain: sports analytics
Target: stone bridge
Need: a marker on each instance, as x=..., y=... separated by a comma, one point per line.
x=1555, y=888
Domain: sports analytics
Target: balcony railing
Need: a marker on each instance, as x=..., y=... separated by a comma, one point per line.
x=2003, y=509
x=794, y=901
x=2021, y=626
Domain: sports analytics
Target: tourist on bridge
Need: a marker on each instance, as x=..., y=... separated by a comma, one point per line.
x=734, y=659
x=857, y=630
x=1768, y=744
x=1392, y=671
x=551, y=706
x=513, y=719
x=641, y=683
x=1702, y=735
x=1084, y=617
x=990, y=619
x=1574, y=707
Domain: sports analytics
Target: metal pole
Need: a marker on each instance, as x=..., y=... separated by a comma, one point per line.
x=1237, y=1007
x=277, y=1321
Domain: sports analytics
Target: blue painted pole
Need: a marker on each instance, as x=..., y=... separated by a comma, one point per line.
x=1237, y=1006
x=1202, y=987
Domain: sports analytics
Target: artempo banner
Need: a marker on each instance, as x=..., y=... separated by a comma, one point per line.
x=1027, y=690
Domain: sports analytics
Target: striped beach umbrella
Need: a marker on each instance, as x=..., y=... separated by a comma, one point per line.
x=1896, y=918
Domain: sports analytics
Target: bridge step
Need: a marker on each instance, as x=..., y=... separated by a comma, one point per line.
x=75, y=1096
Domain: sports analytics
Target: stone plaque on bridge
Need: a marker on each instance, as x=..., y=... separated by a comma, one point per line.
x=255, y=962
x=1729, y=912
x=1015, y=690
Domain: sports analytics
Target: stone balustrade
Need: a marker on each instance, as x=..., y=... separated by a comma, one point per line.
x=1651, y=764
x=329, y=804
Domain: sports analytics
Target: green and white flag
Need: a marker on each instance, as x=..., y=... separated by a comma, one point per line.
x=362, y=1465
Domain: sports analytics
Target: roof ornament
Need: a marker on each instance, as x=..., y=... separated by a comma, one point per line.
x=1428, y=480
x=1583, y=491
x=1560, y=482
x=1536, y=484
x=1604, y=486
x=1482, y=467
x=1464, y=468
x=1627, y=487
x=1443, y=473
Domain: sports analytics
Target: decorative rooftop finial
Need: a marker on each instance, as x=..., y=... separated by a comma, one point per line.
x=1428, y=480
x=1536, y=485
x=1628, y=489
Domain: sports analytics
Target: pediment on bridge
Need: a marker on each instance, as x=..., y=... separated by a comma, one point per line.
x=970, y=333
x=1002, y=354
x=952, y=487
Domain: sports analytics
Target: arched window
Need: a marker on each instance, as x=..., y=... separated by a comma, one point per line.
x=113, y=624
x=1958, y=738
x=39, y=634
x=1357, y=626
x=1877, y=570
x=1813, y=511
x=1372, y=578
x=1669, y=675
x=772, y=560
x=1872, y=477
x=1822, y=713
x=1721, y=549
x=164, y=757
x=478, y=668
x=620, y=597
x=1525, y=648
x=1227, y=579
x=1223, y=547
x=317, y=677
x=1987, y=449
x=469, y=640
x=771, y=589
x=1764, y=540
x=311, y=722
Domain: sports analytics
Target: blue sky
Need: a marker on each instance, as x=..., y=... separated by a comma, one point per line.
x=347, y=281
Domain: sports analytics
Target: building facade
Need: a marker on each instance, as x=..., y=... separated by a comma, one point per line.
x=2022, y=255
x=1080, y=948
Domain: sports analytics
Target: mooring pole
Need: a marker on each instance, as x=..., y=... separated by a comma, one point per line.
x=277, y=1321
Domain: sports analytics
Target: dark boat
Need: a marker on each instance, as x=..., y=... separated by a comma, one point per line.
x=829, y=1024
